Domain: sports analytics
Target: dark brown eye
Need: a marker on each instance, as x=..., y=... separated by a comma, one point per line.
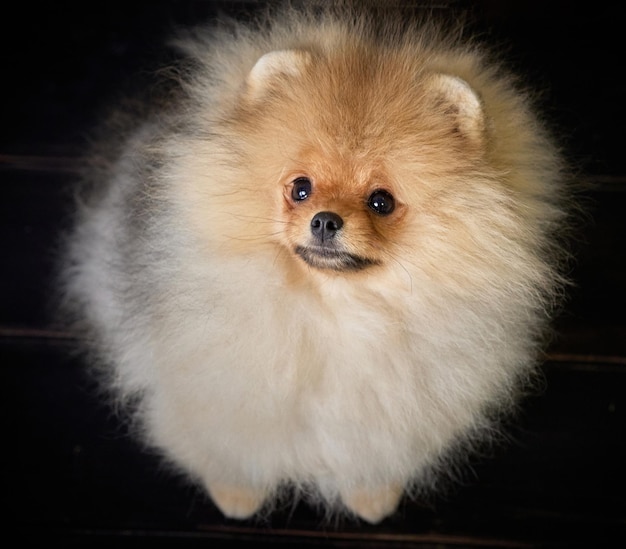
x=381, y=202
x=301, y=189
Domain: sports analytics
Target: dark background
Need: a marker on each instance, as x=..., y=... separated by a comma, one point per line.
x=69, y=473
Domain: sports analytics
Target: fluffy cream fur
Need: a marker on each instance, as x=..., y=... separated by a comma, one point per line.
x=256, y=359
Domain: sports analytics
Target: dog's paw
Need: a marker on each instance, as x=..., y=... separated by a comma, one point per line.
x=236, y=502
x=373, y=505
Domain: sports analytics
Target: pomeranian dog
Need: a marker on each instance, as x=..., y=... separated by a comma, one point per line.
x=327, y=262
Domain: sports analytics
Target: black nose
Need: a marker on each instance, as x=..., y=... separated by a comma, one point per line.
x=325, y=225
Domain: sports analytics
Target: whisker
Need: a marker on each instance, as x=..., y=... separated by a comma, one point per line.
x=398, y=262
x=252, y=238
x=258, y=218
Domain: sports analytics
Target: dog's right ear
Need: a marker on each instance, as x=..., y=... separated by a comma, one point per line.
x=458, y=104
x=274, y=67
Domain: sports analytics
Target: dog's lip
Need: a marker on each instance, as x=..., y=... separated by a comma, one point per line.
x=332, y=259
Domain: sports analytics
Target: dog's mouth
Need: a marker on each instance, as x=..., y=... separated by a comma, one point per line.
x=334, y=260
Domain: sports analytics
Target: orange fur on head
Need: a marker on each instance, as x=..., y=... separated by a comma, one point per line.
x=348, y=121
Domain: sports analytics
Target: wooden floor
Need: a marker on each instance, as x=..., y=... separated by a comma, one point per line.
x=69, y=473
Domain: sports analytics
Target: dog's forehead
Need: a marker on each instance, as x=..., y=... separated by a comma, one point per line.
x=334, y=167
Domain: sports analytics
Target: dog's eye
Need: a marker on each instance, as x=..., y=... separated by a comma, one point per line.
x=301, y=189
x=381, y=202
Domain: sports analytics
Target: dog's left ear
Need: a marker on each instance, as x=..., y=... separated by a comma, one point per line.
x=274, y=66
x=459, y=104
